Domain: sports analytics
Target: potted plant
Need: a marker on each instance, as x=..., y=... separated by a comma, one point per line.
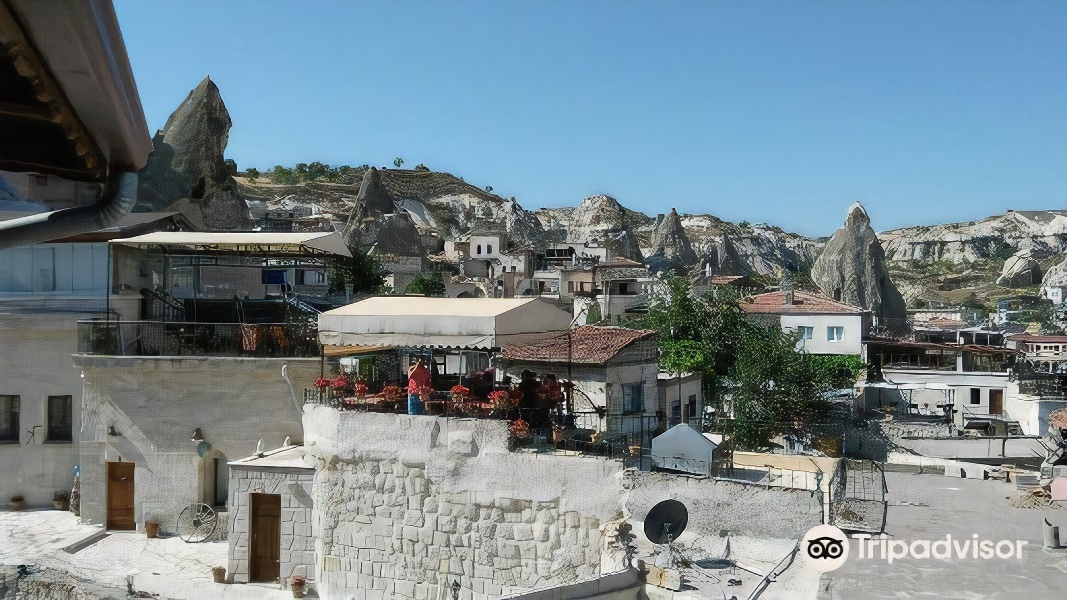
x=298, y=585
x=218, y=574
x=60, y=501
x=151, y=529
x=17, y=502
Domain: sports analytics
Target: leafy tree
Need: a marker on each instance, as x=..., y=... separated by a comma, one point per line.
x=421, y=167
x=755, y=369
x=489, y=188
x=397, y=162
x=363, y=271
x=427, y=284
x=301, y=170
x=231, y=166
x=252, y=174
x=317, y=170
x=283, y=175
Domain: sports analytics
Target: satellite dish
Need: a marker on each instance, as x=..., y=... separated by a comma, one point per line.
x=203, y=448
x=666, y=521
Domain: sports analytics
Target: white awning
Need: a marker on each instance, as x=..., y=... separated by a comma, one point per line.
x=328, y=242
x=415, y=321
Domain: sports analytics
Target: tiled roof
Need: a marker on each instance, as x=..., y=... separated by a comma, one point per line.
x=804, y=303
x=588, y=344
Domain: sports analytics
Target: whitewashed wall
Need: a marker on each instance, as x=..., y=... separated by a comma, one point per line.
x=156, y=402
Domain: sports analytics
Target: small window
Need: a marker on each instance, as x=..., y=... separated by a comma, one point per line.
x=9, y=418
x=976, y=395
x=693, y=408
x=806, y=333
x=632, y=398
x=835, y=334
x=479, y=249
x=60, y=419
x=570, y=286
x=488, y=248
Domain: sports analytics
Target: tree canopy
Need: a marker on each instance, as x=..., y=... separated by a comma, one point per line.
x=749, y=369
x=427, y=284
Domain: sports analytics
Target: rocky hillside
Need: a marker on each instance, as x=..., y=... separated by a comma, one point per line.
x=992, y=258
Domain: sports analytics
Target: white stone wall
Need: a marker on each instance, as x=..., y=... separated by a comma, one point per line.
x=156, y=402
x=36, y=364
x=405, y=505
x=297, y=538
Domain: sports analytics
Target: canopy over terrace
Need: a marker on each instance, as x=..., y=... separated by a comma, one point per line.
x=302, y=244
x=421, y=322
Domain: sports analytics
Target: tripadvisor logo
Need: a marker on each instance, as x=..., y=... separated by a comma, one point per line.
x=825, y=548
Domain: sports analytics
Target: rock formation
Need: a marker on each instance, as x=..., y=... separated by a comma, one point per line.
x=1020, y=270
x=670, y=242
x=599, y=220
x=187, y=171
x=852, y=269
x=723, y=258
x=1056, y=276
x=375, y=219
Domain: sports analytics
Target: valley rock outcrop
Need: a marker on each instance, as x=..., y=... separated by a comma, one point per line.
x=187, y=172
x=852, y=269
x=375, y=219
x=670, y=242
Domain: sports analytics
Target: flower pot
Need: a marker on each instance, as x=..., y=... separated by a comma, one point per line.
x=298, y=591
x=219, y=574
x=151, y=529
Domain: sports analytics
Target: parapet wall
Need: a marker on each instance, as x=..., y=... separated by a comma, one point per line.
x=405, y=506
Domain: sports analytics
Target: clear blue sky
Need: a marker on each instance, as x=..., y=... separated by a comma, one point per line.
x=777, y=112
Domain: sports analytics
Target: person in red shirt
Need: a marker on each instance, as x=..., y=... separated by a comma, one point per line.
x=418, y=376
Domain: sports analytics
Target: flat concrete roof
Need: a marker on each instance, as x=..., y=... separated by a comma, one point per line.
x=286, y=457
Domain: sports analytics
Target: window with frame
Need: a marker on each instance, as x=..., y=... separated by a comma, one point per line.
x=60, y=419
x=835, y=334
x=9, y=418
x=976, y=395
x=693, y=408
x=488, y=248
x=479, y=248
x=633, y=398
x=806, y=332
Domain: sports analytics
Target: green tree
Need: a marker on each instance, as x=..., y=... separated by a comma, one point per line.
x=427, y=284
x=750, y=367
x=397, y=162
x=363, y=271
x=252, y=174
x=282, y=175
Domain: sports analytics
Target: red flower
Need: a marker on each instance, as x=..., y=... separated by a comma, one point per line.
x=322, y=383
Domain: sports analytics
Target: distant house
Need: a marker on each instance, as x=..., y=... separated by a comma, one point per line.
x=614, y=371
x=825, y=326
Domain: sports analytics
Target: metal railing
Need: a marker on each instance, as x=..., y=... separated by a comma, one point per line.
x=158, y=338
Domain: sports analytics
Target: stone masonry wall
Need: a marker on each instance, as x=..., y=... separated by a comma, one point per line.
x=297, y=541
x=405, y=506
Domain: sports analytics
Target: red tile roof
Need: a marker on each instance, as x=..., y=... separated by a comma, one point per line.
x=588, y=344
x=804, y=303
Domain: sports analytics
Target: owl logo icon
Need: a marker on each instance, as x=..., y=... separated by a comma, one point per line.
x=824, y=548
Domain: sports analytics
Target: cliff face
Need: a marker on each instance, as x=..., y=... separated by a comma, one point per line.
x=852, y=269
x=597, y=219
x=187, y=172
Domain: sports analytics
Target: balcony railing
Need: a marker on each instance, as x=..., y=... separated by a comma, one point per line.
x=158, y=338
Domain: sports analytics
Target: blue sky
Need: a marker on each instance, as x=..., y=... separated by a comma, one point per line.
x=776, y=112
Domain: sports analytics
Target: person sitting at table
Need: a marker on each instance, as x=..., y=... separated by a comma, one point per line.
x=481, y=385
x=530, y=404
x=418, y=377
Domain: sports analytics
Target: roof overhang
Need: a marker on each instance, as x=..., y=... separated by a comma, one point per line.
x=68, y=103
x=274, y=244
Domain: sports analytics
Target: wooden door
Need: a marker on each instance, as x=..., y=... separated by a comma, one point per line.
x=996, y=402
x=120, y=495
x=264, y=546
